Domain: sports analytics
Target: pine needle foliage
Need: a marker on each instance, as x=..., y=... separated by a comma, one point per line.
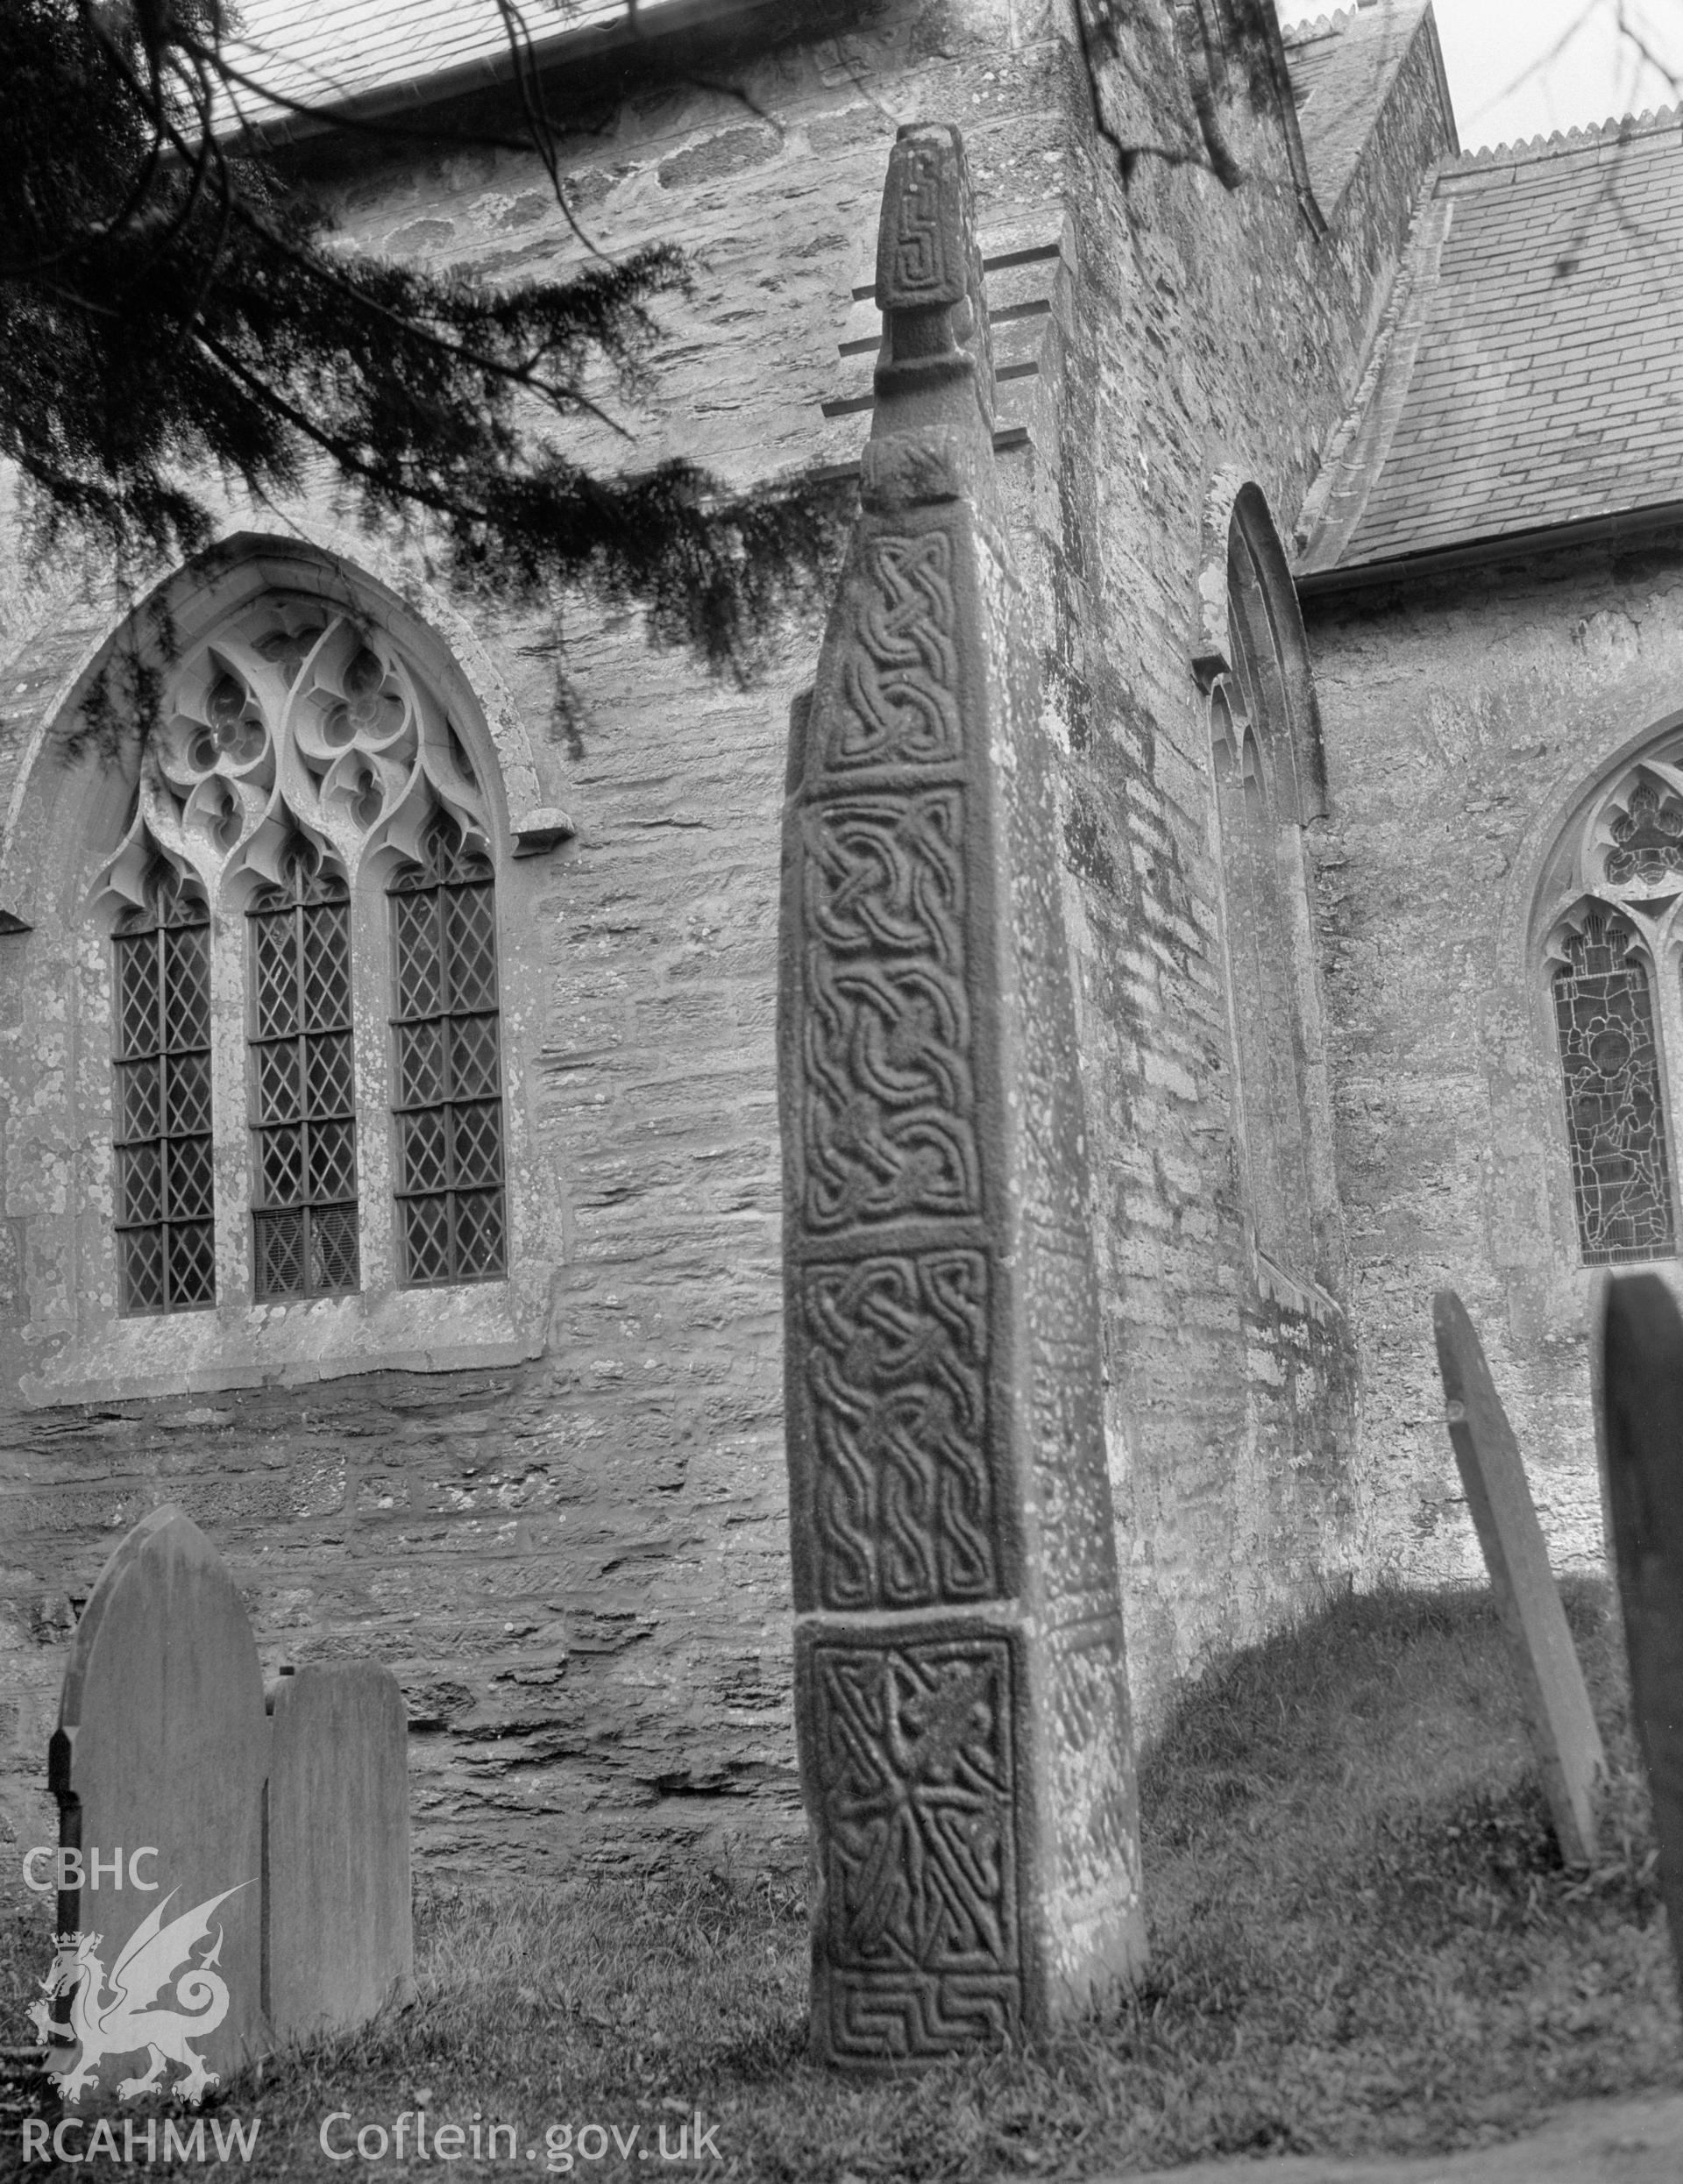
x=170, y=311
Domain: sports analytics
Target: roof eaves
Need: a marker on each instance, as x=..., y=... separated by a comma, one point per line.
x=315, y=112
x=1621, y=527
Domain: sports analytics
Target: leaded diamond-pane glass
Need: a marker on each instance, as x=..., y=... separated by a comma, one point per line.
x=473, y=1056
x=477, y=1145
x=420, y=1064
x=426, y=1239
x=140, y=1264
x=192, y=1264
x=335, y=1241
x=451, y=1214
x=423, y=1142
x=140, y=1183
x=138, y=1113
x=303, y=1089
x=189, y=1178
x=165, y=1186
x=188, y=1107
x=418, y=969
x=1614, y=1124
x=279, y=1253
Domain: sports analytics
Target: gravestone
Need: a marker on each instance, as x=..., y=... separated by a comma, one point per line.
x=157, y=1764
x=337, y=1939
x=241, y=1877
x=1558, y=1712
x=1640, y=1434
x=960, y=1692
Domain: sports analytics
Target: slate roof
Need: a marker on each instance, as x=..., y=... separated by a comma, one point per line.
x=381, y=52
x=1526, y=376
x=1342, y=68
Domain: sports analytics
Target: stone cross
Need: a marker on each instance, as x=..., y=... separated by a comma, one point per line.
x=1640, y=1431
x=337, y=1938
x=961, y=1690
x=1564, y=1735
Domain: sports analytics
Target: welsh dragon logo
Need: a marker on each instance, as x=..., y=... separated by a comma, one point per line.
x=115, y=2014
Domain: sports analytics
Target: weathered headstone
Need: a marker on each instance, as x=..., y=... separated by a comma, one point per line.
x=1640, y=1432
x=337, y=1938
x=158, y=1763
x=962, y=1700
x=1557, y=1712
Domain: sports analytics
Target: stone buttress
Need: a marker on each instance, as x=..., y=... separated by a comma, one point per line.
x=962, y=1700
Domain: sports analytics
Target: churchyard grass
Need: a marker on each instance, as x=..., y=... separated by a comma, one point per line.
x=1363, y=1941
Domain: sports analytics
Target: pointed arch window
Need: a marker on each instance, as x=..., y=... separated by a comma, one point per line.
x=448, y=1095
x=1261, y=978
x=165, y=1171
x=302, y=1083
x=1260, y=718
x=1616, y=1127
x=309, y=778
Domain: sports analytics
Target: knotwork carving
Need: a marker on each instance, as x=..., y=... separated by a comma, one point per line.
x=903, y=1503
x=899, y=676
x=945, y=1431
x=913, y=1758
x=921, y=258
x=890, y=1094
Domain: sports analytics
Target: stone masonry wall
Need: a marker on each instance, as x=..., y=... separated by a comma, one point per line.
x=1461, y=719
x=1212, y=335
x=577, y=1564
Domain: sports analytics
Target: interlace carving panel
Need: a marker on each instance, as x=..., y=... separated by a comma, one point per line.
x=890, y=1097
x=898, y=702
x=902, y=1497
x=912, y=1744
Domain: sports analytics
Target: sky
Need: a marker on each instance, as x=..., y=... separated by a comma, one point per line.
x=1522, y=68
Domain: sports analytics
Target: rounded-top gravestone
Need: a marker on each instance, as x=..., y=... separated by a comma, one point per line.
x=158, y=1764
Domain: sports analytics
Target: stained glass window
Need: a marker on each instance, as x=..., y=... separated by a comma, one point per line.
x=304, y=1090
x=1604, y=1011
x=451, y=1218
x=165, y=1193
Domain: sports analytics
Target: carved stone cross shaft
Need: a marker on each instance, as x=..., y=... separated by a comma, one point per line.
x=960, y=1689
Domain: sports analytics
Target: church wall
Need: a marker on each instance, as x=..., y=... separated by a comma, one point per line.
x=576, y=1560
x=1213, y=340
x=1462, y=719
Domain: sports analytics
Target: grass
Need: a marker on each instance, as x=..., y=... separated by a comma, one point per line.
x=1363, y=1942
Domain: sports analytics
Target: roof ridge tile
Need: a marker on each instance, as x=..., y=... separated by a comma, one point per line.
x=1653, y=121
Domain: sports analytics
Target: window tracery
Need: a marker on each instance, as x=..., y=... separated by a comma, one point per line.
x=304, y=774
x=1610, y=916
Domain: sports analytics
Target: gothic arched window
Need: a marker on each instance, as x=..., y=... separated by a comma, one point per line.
x=1609, y=917
x=282, y=861
x=1258, y=725
x=1615, y=1125
x=305, y=775
x=165, y=1182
